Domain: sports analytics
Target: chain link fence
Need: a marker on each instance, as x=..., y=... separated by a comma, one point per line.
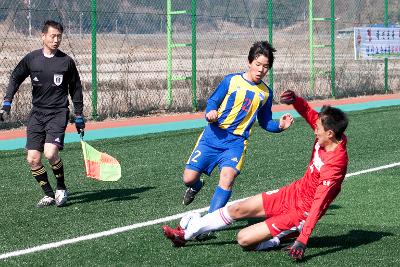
x=132, y=49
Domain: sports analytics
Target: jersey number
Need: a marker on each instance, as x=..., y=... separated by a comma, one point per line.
x=246, y=104
x=197, y=154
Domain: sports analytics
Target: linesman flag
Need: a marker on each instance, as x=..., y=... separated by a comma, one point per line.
x=100, y=166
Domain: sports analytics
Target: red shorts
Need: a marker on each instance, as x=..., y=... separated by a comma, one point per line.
x=280, y=210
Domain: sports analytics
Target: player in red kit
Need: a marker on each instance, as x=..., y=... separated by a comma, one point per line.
x=294, y=207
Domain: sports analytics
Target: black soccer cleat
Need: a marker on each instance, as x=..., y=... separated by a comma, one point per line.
x=189, y=195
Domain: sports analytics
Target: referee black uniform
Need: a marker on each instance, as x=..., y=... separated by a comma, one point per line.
x=52, y=78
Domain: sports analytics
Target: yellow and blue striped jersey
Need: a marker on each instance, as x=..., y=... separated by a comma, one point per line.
x=238, y=102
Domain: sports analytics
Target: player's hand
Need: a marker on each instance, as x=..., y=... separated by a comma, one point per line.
x=288, y=97
x=212, y=116
x=296, y=251
x=285, y=121
x=80, y=124
x=5, y=109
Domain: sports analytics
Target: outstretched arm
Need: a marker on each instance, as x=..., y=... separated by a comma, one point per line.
x=19, y=74
x=75, y=89
x=266, y=122
x=330, y=182
x=323, y=198
x=325, y=194
x=302, y=107
x=285, y=121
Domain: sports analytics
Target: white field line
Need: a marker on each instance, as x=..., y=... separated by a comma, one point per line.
x=140, y=225
x=373, y=169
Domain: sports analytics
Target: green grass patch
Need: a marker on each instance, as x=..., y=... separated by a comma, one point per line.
x=360, y=228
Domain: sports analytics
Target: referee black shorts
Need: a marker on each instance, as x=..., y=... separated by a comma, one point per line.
x=46, y=125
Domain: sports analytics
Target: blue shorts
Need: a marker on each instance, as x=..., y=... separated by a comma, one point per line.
x=207, y=154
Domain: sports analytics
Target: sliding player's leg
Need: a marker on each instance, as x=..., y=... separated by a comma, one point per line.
x=217, y=220
x=249, y=237
x=275, y=241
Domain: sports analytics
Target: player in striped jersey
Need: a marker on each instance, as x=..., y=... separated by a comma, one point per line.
x=231, y=111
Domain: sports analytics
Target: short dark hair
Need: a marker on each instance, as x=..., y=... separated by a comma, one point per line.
x=53, y=24
x=333, y=119
x=262, y=48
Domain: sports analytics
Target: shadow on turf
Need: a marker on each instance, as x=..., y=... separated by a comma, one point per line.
x=353, y=239
x=107, y=194
x=203, y=243
x=334, y=207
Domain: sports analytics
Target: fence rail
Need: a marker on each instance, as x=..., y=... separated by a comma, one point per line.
x=131, y=44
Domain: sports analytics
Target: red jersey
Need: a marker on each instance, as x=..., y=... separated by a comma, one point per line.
x=322, y=181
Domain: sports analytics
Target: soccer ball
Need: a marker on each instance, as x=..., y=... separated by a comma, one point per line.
x=188, y=219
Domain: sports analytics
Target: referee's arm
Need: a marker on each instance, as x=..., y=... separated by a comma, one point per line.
x=19, y=74
x=75, y=89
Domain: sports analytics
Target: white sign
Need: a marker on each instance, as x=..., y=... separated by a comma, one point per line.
x=376, y=43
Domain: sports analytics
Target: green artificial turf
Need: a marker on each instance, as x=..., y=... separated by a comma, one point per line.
x=360, y=228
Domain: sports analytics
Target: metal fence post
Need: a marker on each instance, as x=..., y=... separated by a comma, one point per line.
x=311, y=42
x=270, y=28
x=386, y=60
x=94, y=63
x=169, y=53
x=194, y=69
x=333, y=71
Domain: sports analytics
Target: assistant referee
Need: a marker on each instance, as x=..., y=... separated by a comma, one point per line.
x=53, y=76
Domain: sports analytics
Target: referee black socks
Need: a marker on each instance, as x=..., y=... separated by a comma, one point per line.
x=58, y=170
x=41, y=177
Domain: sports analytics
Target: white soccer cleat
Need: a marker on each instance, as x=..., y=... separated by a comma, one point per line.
x=61, y=197
x=45, y=201
x=188, y=219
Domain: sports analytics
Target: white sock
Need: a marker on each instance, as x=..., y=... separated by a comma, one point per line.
x=276, y=241
x=216, y=220
x=286, y=232
x=270, y=243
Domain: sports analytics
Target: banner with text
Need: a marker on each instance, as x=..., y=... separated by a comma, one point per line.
x=376, y=42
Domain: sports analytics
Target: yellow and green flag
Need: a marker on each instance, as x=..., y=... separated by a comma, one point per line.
x=100, y=166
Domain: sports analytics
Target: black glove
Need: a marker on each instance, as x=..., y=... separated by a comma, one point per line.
x=288, y=97
x=6, y=108
x=80, y=124
x=296, y=251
